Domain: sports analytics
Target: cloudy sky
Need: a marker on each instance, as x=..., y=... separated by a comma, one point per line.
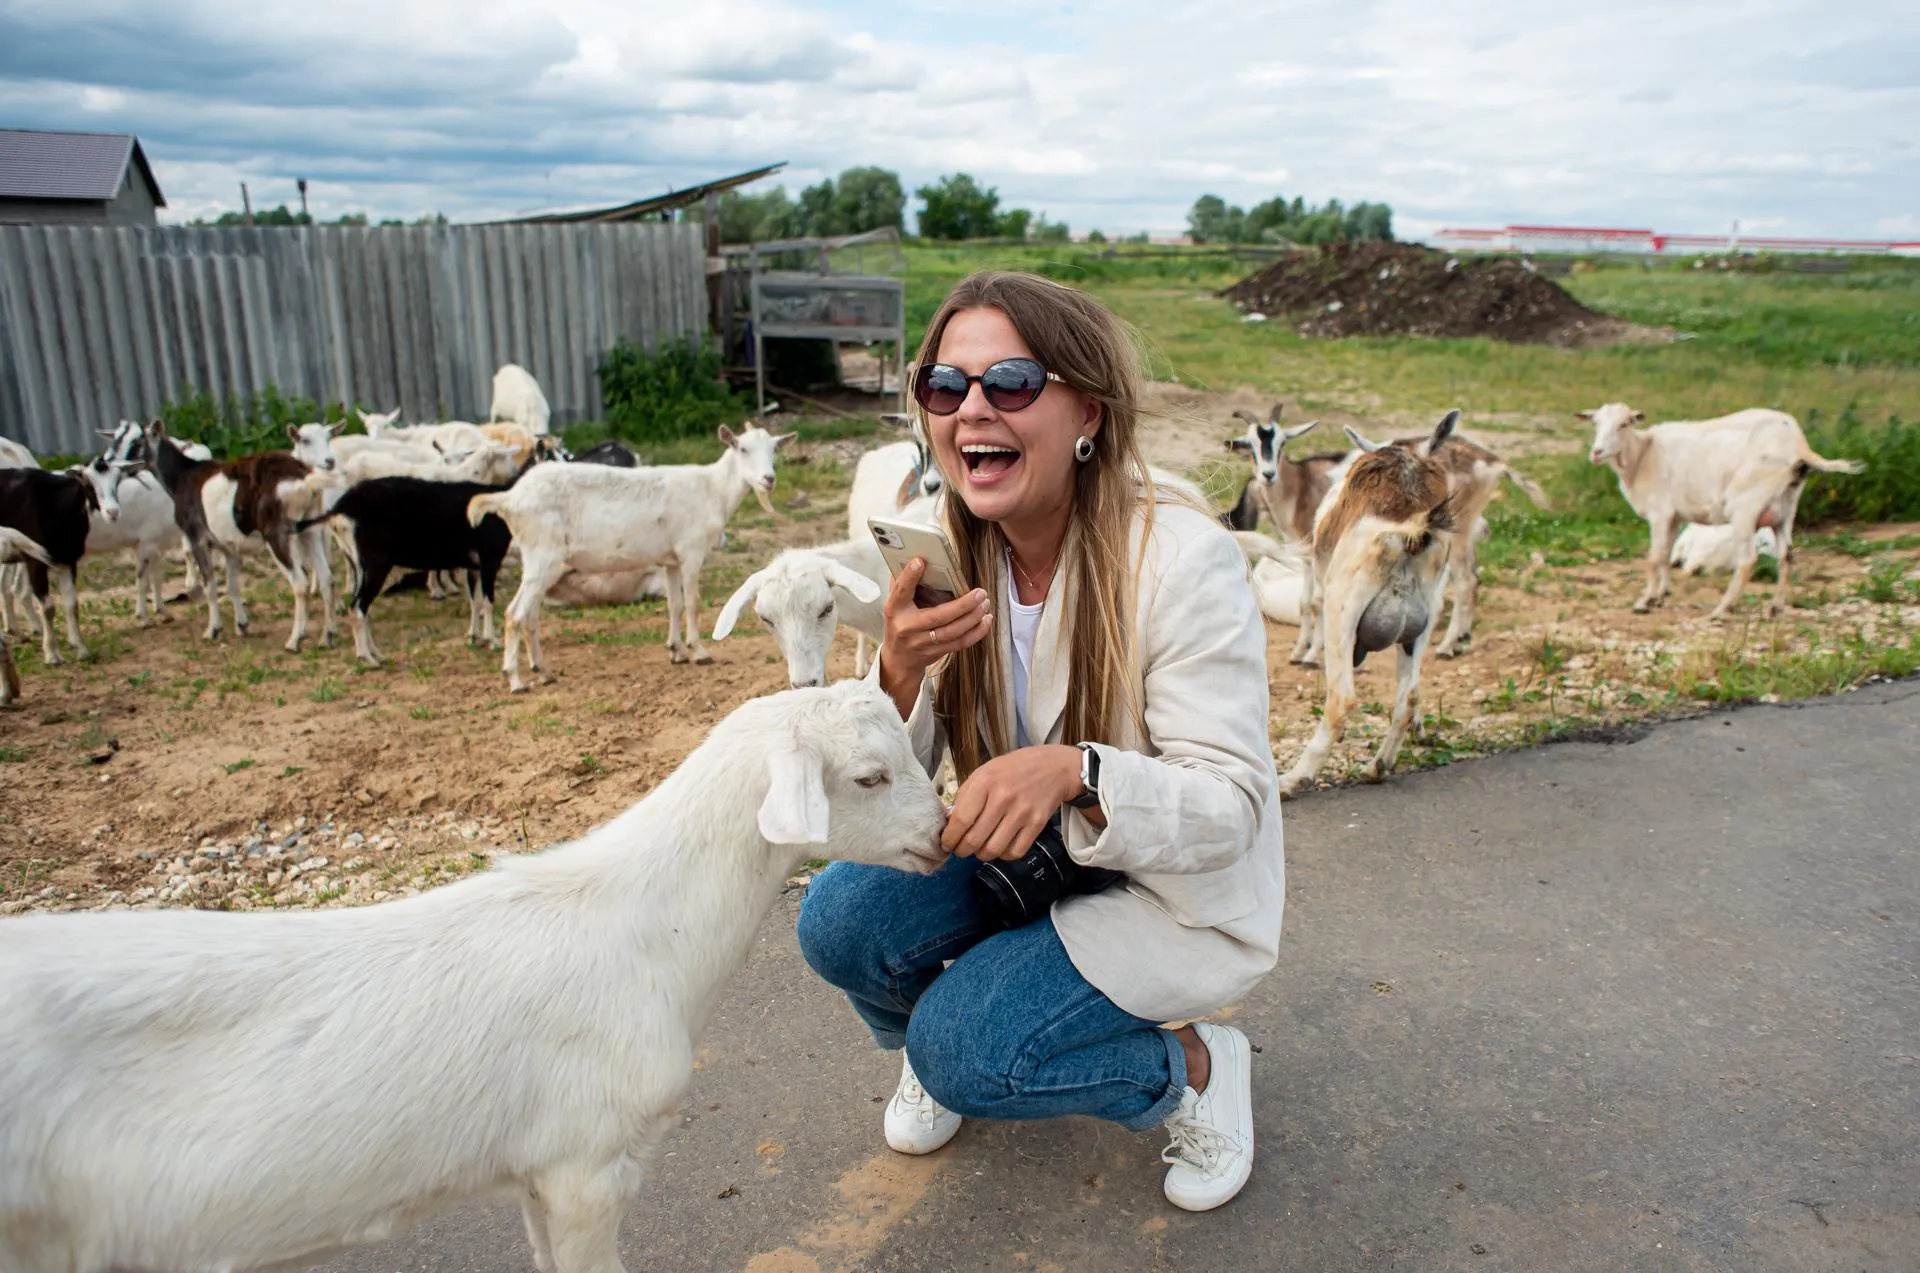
x=1794, y=117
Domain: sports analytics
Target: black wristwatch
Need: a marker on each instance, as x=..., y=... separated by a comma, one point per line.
x=1089, y=778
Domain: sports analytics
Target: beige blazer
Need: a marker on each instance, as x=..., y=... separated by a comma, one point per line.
x=1193, y=813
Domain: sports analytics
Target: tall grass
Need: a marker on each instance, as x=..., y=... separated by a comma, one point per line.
x=1889, y=491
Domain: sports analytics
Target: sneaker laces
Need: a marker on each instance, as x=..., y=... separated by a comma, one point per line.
x=915, y=1097
x=1196, y=1144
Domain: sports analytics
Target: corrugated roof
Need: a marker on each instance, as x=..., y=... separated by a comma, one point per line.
x=47, y=165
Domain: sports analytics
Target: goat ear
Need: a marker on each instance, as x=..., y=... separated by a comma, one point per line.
x=781, y=439
x=1361, y=442
x=730, y=613
x=1639, y=417
x=1441, y=432
x=1298, y=430
x=1583, y=415
x=853, y=583
x=333, y=430
x=293, y=432
x=727, y=436
x=795, y=810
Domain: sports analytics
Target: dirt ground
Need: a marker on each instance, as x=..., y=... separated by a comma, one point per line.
x=170, y=771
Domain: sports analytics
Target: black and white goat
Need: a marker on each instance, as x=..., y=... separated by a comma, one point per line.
x=418, y=525
x=54, y=511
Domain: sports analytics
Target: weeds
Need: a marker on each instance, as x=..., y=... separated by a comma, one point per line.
x=238, y=765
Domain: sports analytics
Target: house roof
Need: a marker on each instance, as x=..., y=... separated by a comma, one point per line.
x=48, y=165
x=647, y=207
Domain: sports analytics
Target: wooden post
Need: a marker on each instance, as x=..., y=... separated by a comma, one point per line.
x=759, y=341
x=246, y=203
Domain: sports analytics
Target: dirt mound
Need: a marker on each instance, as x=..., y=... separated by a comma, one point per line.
x=1402, y=289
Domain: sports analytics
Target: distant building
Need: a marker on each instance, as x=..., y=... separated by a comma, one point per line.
x=75, y=179
x=1586, y=239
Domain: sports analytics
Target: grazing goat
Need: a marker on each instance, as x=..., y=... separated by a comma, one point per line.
x=1716, y=549
x=613, y=452
x=595, y=519
x=417, y=525
x=526, y=1034
x=517, y=400
x=1380, y=548
x=251, y=503
x=804, y=594
x=53, y=511
x=887, y=480
x=1288, y=491
x=15, y=549
x=1744, y=470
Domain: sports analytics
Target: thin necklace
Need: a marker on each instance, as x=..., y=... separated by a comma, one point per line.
x=1023, y=572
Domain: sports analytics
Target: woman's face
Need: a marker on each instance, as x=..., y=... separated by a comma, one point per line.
x=1007, y=465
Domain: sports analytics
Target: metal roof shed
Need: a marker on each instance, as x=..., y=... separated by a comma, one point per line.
x=60, y=178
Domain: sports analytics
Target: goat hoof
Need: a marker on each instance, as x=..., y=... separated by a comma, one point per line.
x=519, y=688
x=240, y=628
x=703, y=658
x=1718, y=616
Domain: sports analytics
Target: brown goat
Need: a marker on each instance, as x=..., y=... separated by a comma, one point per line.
x=1380, y=548
x=1288, y=490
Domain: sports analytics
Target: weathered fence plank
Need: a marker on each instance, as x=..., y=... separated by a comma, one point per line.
x=97, y=325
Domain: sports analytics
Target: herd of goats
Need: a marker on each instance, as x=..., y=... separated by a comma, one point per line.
x=1364, y=546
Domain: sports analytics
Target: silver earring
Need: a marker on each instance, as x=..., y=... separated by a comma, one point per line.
x=1083, y=449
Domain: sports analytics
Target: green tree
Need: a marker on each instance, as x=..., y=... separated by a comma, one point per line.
x=1012, y=224
x=870, y=199
x=957, y=207
x=1045, y=231
x=1207, y=220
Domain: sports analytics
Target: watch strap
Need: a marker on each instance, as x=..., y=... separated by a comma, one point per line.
x=1089, y=778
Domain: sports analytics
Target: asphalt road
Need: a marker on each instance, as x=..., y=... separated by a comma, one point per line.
x=1631, y=1006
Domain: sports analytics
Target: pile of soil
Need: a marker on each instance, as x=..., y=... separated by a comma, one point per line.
x=1402, y=289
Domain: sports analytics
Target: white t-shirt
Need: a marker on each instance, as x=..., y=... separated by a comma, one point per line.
x=1023, y=624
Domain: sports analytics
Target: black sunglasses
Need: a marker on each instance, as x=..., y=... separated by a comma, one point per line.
x=1011, y=384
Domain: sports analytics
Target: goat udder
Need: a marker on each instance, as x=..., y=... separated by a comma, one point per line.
x=1389, y=619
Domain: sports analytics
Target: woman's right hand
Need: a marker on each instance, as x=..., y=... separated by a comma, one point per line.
x=919, y=636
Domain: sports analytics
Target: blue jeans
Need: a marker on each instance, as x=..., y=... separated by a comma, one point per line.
x=1011, y=1029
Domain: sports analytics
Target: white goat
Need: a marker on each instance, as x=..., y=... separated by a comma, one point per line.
x=525, y=1034
x=805, y=593
x=1380, y=548
x=490, y=464
x=517, y=399
x=594, y=518
x=1278, y=572
x=144, y=528
x=1716, y=549
x=1744, y=470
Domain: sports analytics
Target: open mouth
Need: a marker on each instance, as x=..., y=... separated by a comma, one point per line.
x=988, y=461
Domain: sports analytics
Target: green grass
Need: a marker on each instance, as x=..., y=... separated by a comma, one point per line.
x=1816, y=345
x=1733, y=675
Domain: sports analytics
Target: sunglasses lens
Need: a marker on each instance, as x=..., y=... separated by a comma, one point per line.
x=940, y=388
x=1013, y=383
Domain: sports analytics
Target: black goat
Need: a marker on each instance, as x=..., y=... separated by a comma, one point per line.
x=612, y=452
x=419, y=525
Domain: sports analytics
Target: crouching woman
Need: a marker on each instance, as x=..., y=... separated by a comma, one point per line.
x=1103, y=691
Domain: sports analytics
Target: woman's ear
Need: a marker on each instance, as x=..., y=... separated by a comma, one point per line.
x=1093, y=416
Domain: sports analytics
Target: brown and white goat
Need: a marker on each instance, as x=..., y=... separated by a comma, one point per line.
x=1380, y=547
x=1473, y=479
x=1744, y=470
x=1288, y=491
x=253, y=502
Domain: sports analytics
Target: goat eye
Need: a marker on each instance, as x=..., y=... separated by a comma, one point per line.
x=826, y=610
x=873, y=780
x=766, y=622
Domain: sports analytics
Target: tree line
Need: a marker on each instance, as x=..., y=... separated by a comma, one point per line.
x=958, y=206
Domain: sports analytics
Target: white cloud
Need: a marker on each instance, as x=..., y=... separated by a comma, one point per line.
x=1116, y=115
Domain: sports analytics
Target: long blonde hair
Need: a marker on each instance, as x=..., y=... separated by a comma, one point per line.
x=1096, y=353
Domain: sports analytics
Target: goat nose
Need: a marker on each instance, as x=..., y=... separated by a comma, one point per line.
x=813, y=684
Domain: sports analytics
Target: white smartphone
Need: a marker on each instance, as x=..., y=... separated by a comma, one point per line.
x=900, y=542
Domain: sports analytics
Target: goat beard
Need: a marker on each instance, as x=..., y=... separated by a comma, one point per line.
x=765, y=502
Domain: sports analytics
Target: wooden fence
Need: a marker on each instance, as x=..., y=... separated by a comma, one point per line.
x=98, y=324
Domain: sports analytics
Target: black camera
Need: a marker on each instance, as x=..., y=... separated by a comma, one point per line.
x=1016, y=891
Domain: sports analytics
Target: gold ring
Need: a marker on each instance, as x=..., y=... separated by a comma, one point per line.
x=935, y=634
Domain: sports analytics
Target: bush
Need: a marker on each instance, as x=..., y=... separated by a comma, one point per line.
x=677, y=392
x=244, y=425
x=1889, y=491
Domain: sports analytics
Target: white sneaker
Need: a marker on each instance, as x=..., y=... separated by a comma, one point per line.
x=1212, y=1149
x=916, y=1123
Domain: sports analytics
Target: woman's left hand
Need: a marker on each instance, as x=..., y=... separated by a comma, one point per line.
x=1002, y=806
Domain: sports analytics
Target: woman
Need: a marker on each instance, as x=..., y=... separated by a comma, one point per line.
x=1109, y=671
